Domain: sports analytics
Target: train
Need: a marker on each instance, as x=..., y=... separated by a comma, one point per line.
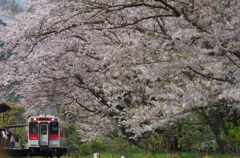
x=47, y=136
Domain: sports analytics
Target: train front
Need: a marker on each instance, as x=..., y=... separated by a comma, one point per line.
x=47, y=136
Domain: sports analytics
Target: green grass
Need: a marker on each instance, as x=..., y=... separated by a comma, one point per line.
x=161, y=155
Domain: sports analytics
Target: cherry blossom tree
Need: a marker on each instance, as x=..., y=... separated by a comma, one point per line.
x=131, y=64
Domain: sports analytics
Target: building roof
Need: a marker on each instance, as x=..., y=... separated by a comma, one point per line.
x=16, y=125
x=4, y=107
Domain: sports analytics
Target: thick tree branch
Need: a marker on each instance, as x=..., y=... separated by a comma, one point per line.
x=210, y=77
x=176, y=12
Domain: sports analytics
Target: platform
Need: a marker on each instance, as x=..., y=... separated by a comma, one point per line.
x=14, y=152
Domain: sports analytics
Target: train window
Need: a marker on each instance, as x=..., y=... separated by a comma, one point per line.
x=33, y=128
x=54, y=128
x=43, y=129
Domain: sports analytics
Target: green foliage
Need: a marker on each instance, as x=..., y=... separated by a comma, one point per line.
x=137, y=150
x=189, y=135
x=74, y=139
x=160, y=155
x=195, y=135
x=14, y=116
x=232, y=136
x=116, y=146
x=154, y=143
x=85, y=149
x=98, y=145
x=62, y=114
x=119, y=146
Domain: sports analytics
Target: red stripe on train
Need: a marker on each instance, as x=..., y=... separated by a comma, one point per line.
x=53, y=137
x=33, y=136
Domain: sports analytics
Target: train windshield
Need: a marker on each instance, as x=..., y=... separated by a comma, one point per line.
x=54, y=128
x=33, y=128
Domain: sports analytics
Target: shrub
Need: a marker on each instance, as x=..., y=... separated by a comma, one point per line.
x=95, y=145
x=98, y=145
x=85, y=149
x=136, y=150
x=119, y=146
x=232, y=136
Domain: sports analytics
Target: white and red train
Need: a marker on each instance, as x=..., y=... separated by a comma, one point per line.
x=47, y=136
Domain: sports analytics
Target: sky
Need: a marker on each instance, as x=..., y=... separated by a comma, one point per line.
x=20, y=2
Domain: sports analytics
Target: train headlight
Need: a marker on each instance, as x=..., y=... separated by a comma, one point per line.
x=33, y=119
